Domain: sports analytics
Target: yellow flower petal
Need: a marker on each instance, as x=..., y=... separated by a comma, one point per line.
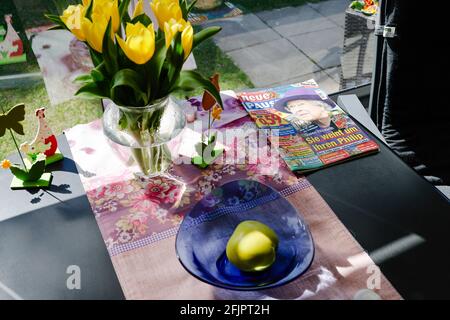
x=172, y=27
x=187, y=39
x=139, y=45
x=216, y=112
x=139, y=9
x=165, y=10
x=5, y=164
x=94, y=31
x=107, y=9
x=72, y=18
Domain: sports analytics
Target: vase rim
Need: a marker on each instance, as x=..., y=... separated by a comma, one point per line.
x=154, y=104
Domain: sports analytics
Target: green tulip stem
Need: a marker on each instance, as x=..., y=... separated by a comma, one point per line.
x=149, y=156
x=209, y=124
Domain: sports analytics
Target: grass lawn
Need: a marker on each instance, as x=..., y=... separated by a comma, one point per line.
x=32, y=12
x=210, y=60
x=59, y=117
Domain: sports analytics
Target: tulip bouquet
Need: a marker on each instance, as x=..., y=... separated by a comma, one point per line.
x=135, y=65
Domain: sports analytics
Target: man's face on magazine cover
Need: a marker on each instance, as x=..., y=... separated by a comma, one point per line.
x=307, y=110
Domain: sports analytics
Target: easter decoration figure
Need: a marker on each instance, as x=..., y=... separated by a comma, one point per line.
x=206, y=149
x=11, y=46
x=44, y=142
x=31, y=174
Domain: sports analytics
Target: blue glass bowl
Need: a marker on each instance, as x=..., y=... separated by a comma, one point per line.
x=205, y=231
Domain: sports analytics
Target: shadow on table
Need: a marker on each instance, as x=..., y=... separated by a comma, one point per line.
x=69, y=165
x=62, y=188
x=39, y=244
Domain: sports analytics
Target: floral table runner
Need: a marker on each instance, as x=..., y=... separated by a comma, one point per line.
x=139, y=221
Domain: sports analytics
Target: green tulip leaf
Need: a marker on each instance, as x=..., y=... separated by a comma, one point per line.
x=190, y=80
x=154, y=67
x=204, y=34
x=142, y=18
x=57, y=20
x=93, y=90
x=184, y=12
x=109, y=51
x=175, y=59
x=123, y=9
x=96, y=57
x=97, y=74
x=84, y=78
x=11, y=120
x=89, y=10
x=186, y=8
x=124, y=81
x=190, y=7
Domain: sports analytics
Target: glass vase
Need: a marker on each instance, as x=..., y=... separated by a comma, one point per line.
x=146, y=131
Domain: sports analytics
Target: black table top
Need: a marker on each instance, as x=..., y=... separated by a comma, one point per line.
x=396, y=215
x=42, y=233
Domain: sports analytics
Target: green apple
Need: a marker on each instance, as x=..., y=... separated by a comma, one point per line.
x=252, y=246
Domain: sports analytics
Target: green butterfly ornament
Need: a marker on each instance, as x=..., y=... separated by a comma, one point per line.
x=11, y=120
x=32, y=174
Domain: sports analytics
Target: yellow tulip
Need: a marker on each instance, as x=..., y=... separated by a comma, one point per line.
x=170, y=30
x=166, y=10
x=187, y=39
x=72, y=18
x=139, y=9
x=172, y=27
x=140, y=43
x=108, y=9
x=86, y=3
x=94, y=31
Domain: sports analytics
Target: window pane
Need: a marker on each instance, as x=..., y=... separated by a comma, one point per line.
x=268, y=43
x=263, y=43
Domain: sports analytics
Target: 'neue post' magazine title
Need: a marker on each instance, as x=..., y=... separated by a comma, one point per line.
x=311, y=130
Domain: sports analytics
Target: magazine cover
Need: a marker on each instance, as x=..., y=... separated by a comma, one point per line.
x=311, y=130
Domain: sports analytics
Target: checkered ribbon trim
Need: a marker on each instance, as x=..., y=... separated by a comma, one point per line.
x=304, y=184
x=155, y=237
x=192, y=222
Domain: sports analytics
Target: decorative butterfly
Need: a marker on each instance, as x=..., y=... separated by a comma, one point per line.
x=208, y=100
x=12, y=119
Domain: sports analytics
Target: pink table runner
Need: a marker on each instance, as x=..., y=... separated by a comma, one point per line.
x=139, y=224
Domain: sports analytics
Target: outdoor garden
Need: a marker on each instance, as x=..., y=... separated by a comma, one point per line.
x=29, y=15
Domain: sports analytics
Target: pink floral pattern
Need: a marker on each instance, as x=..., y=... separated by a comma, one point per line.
x=128, y=209
x=161, y=191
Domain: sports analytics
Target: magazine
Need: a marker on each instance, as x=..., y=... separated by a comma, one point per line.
x=311, y=130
